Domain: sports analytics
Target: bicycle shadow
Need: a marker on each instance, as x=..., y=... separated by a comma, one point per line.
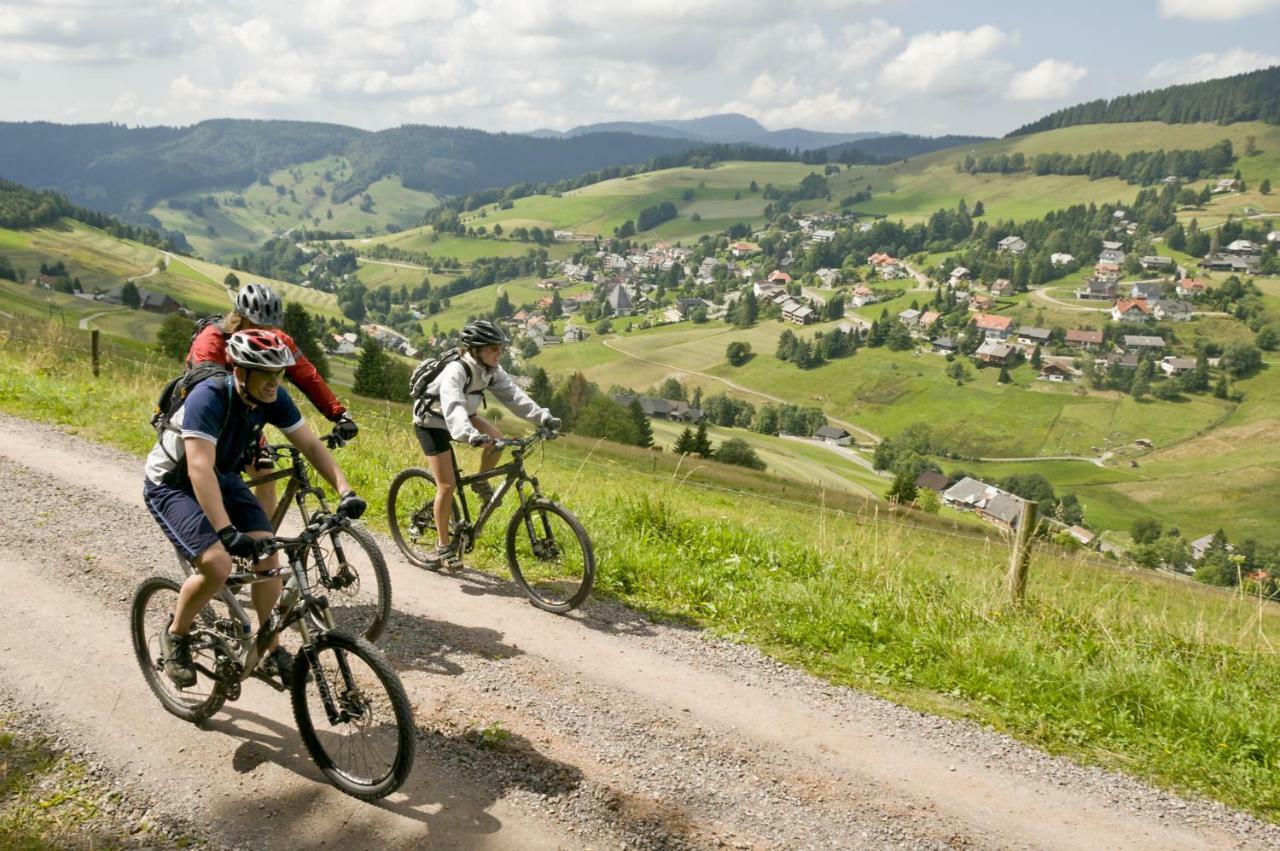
x=457, y=777
x=418, y=643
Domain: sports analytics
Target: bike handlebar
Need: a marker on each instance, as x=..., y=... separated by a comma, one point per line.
x=324, y=523
x=522, y=442
x=279, y=450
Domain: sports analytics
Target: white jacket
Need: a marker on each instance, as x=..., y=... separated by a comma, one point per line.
x=451, y=400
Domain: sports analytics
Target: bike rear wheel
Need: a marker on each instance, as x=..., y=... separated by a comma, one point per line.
x=411, y=516
x=367, y=750
x=154, y=600
x=354, y=579
x=550, y=556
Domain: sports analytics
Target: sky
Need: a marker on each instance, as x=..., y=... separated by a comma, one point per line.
x=919, y=66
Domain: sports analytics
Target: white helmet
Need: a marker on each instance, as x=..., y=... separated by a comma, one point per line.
x=259, y=349
x=260, y=305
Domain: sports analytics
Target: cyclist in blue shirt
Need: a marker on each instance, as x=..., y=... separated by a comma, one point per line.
x=194, y=490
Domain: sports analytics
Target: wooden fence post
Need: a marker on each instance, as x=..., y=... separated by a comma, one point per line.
x=93, y=337
x=1021, y=558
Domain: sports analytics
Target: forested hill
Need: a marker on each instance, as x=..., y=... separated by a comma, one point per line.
x=1253, y=96
x=22, y=208
x=115, y=168
x=884, y=149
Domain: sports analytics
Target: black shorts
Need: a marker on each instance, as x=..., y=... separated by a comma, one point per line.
x=433, y=441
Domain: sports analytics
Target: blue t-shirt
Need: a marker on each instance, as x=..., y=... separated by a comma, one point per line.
x=203, y=415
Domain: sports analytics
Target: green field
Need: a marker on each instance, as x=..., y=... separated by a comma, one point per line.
x=597, y=209
x=227, y=229
x=914, y=189
x=872, y=599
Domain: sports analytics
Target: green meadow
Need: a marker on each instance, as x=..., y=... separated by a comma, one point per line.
x=1131, y=671
x=226, y=229
x=914, y=189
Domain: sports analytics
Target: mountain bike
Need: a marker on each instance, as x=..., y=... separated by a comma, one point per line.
x=548, y=551
x=348, y=702
x=346, y=561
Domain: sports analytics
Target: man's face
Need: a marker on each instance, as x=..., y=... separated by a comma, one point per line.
x=262, y=384
x=489, y=355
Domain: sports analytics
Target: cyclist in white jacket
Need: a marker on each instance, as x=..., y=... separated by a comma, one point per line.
x=449, y=412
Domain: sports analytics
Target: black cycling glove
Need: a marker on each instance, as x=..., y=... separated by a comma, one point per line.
x=345, y=427
x=552, y=423
x=351, y=505
x=237, y=543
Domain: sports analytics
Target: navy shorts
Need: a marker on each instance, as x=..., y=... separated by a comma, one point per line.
x=433, y=440
x=184, y=521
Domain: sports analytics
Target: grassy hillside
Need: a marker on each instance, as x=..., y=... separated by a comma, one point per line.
x=597, y=209
x=914, y=189
x=224, y=229
x=913, y=612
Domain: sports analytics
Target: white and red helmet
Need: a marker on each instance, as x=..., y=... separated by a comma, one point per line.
x=260, y=348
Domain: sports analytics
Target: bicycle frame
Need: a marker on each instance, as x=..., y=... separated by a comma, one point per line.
x=296, y=602
x=516, y=477
x=296, y=491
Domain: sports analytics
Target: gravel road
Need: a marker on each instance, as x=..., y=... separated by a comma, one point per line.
x=622, y=733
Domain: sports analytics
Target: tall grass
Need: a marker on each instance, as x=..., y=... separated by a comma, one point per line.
x=1170, y=681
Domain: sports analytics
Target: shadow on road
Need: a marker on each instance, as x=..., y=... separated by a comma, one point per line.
x=456, y=778
x=417, y=643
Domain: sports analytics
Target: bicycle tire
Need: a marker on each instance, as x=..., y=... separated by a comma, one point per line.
x=554, y=579
x=148, y=615
x=354, y=611
x=411, y=516
x=375, y=671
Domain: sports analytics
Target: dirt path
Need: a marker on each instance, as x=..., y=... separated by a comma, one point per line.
x=623, y=733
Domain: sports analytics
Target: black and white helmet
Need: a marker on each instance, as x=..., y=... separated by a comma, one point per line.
x=482, y=332
x=259, y=349
x=260, y=305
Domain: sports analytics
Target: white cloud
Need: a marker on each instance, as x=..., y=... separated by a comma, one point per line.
x=948, y=63
x=1048, y=80
x=1208, y=66
x=1215, y=10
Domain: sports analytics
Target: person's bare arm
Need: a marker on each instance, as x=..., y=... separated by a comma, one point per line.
x=320, y=457
x=201, y=455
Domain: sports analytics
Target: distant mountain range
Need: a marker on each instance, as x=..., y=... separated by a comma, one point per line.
x=730, y=127
x=126, y=170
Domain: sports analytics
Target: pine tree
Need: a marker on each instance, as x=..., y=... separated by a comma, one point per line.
x=1004, y=375
x=1035, y=357
x=129, y=295
x=702, y=443
x=644, y=430
x=540, y=387
x=371, y=368
x=903, y=489
x=685, y=443
x=298, y=325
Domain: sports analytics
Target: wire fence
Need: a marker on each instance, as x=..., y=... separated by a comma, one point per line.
x=112, y=358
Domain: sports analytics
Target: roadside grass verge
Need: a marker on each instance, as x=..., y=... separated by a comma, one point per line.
x=1160, y=678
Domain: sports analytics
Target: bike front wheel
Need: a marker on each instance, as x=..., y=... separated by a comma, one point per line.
x=550, y=556
x=411, y=516
x=347, y=566
x=353, y=715
x=154, y=601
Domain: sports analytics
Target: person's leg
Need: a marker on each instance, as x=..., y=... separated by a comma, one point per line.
x=213, y=566
x=441, y=464
x=246, y=513
x=488, y=455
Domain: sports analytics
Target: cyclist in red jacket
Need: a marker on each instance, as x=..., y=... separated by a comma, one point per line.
x=257, y=306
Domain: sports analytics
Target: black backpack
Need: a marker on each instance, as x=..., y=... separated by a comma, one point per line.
x=175, y=393
x=428, y=371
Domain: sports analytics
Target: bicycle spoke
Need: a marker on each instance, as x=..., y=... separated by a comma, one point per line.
x=363, y=745
x=550, y=557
